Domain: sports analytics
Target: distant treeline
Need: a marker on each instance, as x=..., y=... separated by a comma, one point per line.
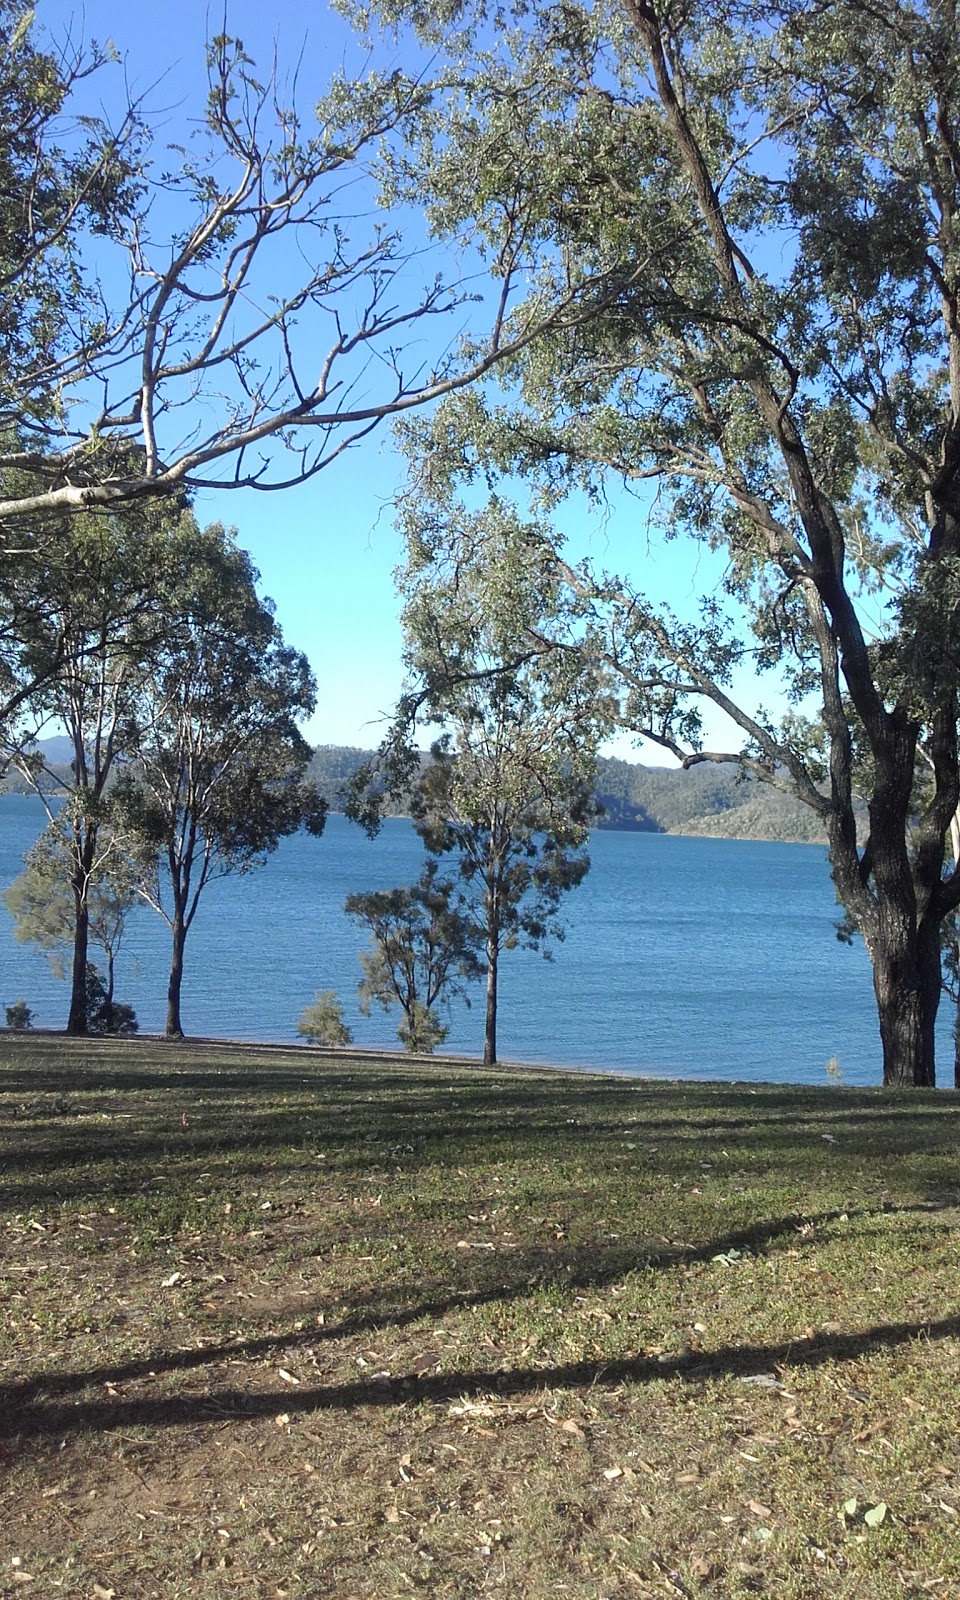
x=710, y=800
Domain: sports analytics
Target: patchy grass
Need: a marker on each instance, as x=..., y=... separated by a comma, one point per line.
x=286, y=1325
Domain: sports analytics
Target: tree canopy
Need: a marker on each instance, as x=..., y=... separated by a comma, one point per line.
x=774, y=191
x=508, y=791
x=215, y=778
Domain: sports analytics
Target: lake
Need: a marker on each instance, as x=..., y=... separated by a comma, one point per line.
x=708, y=958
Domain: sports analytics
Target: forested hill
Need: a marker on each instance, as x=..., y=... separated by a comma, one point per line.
x=708, y=800
x=712, y=801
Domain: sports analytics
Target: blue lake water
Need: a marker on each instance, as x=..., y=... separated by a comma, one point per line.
x=707, y=958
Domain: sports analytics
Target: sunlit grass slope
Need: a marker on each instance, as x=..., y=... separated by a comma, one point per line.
x=285, y=1325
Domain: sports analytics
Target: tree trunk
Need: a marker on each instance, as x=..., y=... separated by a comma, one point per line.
x=956, y=1047
x=906, y=981
x=77, y=1020
x=490, y=1028
x=174, y=1028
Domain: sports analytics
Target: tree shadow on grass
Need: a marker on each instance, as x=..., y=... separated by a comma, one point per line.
x=21, y=1420
x=502, y=1278
x=58, y=1158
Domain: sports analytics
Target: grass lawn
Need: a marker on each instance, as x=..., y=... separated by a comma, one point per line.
x=284, y=1325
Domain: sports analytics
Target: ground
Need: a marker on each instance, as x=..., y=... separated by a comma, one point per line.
x=281, y=1323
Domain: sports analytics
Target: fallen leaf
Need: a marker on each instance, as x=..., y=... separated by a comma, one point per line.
x=283, y=1419
x=759, y=1509
x=876, y=1514
x=572, y=1427
x=613, y=1472
x=174, y=1277
x=100, y=1593
x=391, y=1514
x=287, y=1377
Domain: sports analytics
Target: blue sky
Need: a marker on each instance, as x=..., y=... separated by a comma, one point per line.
x=327, y=550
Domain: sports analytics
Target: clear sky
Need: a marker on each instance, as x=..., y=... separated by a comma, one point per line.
x=327, y=550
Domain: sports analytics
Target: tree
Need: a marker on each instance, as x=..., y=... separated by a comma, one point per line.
x=42, y=904
x=776, y=190
x=102, y=613
x=508, y=791
x=166, y=316
x=215, y=778
x=322, y=1022
x=423, y=955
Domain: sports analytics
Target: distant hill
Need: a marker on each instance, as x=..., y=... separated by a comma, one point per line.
x=707, y=800
x=57, y=752
x=711, y=801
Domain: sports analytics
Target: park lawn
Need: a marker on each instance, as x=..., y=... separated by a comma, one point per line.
x=285, y=1324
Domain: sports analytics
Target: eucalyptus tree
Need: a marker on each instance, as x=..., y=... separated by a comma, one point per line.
x=101, y=612
x=41, y=900
x=508, y=790
x=423, y=954
x=776, y=191
x=216, y=778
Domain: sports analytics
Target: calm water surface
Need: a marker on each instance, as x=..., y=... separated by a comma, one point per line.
x=706, y=958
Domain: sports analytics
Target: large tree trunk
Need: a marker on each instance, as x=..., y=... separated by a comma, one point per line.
x=956, y=1047
x=906, y=981
x=77, y=1020
x=174, y=1028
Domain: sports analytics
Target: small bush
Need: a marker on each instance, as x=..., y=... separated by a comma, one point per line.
x=422, y=1032
x=322, y=1022
x=106, y=1016
x=19, y=1016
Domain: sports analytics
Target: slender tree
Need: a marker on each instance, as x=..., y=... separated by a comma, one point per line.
x=102, y=613
x=508, y=791
x=217, y=776
x=41, y=900
x=423, y=955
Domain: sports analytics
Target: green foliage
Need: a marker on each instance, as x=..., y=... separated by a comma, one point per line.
x=322, y=1022
x=19, y=1016
x=104, y=1014
x=216, y=776
x=719, y=801
x=755, y=213
x=508, y=789
x=423, y=954
x=41, y=899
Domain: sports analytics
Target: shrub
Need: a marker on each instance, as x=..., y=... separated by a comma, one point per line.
x=104, y=1015
x=422, y=1032
x=19, y=1016
x=322, y=1022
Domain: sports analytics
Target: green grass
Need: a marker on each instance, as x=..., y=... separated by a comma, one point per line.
x=285, y=1325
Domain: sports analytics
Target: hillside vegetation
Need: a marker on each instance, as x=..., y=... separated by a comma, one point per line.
x=707, y=800
x=711, y=801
